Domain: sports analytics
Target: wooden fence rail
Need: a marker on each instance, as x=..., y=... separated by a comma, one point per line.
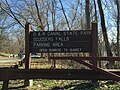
x=87, y=58
x=59, y=74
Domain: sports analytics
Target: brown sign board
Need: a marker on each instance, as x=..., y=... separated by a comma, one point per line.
x=60, y=41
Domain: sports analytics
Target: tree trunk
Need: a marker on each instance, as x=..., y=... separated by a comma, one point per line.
x=39, y=15
x=54, y=27
x=118, y=28
x=87, y=11
x=64, y=14
x=95, y=11
x=104, y=31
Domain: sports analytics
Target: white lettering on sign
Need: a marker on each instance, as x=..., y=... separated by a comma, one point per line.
x=65, y=49
x=58, y=44
x=43, y=33
x=39, y=33
x=34, y=34
x=75, y=49
x=55, y=50
x=43, y=39
x=63, y=39
x=42, y=50
x=70, y=33
x=85, y=32
x=41, y=44
x=53, y=34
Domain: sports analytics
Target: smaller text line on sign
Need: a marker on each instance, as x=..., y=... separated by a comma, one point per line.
x=60, y=41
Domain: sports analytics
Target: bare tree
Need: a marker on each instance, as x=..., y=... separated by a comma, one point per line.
x=87, y=11
x=65, y=14
x=118, y=26
x=105, y=36
x=104, y=30
x=95, y=8
x=53, y=11
x=39, y=15
x=10, y=12
x=74, y=15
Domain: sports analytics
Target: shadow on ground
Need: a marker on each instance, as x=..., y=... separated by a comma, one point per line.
x=17, y=88
x=76, y=86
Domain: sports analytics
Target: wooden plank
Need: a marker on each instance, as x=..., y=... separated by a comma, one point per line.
x=5, y=85
x=112, y=70
x=7, y=63
x=58, y=74
x=27, y=51
x=87, y=58
x=107, y=73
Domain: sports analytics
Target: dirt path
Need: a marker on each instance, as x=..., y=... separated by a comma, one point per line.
x=1, y=57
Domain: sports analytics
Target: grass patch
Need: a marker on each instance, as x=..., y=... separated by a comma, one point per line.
x=45, y=84
x=4, y=54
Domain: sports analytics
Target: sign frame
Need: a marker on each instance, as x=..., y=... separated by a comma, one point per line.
x=60, y=41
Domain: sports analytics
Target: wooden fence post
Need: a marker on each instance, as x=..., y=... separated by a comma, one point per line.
x=94, y=52
x=5, y=84
x=94, y=42
x=27, y=51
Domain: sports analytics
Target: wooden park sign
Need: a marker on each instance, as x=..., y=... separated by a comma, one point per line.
x=57, y=42
x=65, y=42
x=60, y=41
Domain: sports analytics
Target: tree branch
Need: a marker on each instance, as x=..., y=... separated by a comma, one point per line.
x=38, y=13
x=13, y=15
x=65, y=14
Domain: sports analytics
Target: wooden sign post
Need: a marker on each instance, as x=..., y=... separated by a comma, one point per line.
x=94, y=42
x=94, y=47
x=27, y=51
